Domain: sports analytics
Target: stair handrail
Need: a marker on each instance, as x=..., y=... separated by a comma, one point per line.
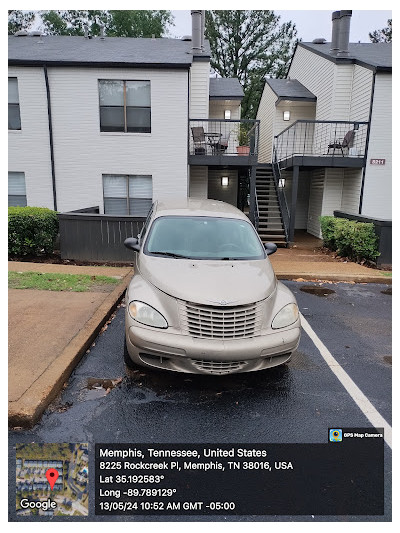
x=257, y=214
x=276, y=173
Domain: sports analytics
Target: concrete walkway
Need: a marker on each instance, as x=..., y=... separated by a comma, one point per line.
x=48, y=334
x=306, y=261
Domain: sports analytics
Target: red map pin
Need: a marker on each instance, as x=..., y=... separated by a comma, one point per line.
x=52, y=475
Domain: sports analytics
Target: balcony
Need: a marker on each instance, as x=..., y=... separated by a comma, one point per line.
x=313, y=143
x=223, y=142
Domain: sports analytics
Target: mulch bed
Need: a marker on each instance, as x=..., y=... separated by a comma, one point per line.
x=55, y=259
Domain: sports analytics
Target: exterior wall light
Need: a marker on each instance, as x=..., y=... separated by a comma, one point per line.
x=286, y=115
x=225, y=181
x=227, y=114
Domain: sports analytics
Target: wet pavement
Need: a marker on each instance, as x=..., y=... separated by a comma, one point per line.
x=293, y=403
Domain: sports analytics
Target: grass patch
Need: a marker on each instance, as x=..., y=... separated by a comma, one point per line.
x=60, y=282
x=387, y=274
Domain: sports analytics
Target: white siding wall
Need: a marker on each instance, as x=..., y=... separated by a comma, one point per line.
x=332, y=199
x=315, y=202
x=318, y=75
x=217, y=109
x=377, y=201
x=303, y=194
x=341, y=92
x=215, y=189
x=361, y=94
x=198, y=182
x=199, y=89
x=29, y=149
x=83, y=153
x=266, y=114
x=351, y=189
x=297, y=112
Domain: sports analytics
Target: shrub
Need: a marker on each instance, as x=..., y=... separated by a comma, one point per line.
x=31, y=230
x=356, y=240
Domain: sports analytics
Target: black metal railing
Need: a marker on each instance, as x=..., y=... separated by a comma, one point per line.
x=223, y=137
x=322, y=139
x=276, y=173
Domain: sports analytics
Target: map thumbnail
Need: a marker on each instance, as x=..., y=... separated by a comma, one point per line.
x=68, y=463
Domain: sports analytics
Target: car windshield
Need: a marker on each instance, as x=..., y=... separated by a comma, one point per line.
x=203, y=238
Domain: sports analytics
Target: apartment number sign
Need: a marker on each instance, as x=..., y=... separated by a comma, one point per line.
x=377, y=161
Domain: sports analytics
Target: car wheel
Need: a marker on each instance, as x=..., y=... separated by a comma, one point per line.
x=128, y=361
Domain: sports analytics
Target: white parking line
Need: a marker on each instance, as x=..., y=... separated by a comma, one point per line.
x=358, y=396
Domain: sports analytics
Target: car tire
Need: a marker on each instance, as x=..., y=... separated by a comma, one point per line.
x=128, y=361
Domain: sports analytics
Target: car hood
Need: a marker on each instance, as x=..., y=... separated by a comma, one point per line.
x=210, y=282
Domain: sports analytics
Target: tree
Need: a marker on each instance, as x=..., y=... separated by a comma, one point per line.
x=139, y=23
x=249, y=45
x=382, y=36
x=19, y=20
x=118, y=23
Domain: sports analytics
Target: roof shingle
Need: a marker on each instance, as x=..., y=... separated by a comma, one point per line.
x=287, y=89
x=112, y=51
x=227, y=88
x=375, y=55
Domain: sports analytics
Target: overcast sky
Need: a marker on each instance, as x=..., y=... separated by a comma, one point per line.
x=310, y=23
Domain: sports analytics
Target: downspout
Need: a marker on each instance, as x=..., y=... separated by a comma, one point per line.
x=53, y=172
x=367, y=145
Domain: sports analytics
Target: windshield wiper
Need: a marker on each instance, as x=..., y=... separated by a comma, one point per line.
x=171, y=254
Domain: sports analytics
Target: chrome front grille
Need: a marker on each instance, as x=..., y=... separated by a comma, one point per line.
x=212, y=322
x=218, y=367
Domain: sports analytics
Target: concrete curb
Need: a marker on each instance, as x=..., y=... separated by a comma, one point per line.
x=345, y=278
x=26, y=411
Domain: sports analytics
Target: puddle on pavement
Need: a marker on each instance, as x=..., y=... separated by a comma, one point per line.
x=387, y=291
x=318, y=291
x=99, y=387
x=388, y=359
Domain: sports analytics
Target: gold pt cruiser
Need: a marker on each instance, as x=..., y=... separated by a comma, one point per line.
x=204, y=298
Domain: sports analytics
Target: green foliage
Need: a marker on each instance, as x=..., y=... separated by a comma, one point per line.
x=31, y=230
x=355, y=240
x=382, y=36
x=137, y=23
x=18, y=20
x=117, y=23
x=249, y=45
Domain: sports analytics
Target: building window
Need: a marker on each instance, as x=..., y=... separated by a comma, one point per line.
x=125, y=106
x=16, y=189
x=14, y=118
x=127, y=195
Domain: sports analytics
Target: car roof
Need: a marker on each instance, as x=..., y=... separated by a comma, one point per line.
x=197, y=207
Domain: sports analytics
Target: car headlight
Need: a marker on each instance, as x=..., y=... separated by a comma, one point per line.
x=147, y=315
x=286, y=316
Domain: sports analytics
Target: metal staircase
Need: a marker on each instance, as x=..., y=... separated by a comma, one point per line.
x=271, y=204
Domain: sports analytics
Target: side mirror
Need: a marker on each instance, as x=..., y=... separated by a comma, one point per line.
x=132, y=244
x=270, y=247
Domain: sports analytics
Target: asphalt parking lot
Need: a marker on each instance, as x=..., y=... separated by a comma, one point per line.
x=295, y=403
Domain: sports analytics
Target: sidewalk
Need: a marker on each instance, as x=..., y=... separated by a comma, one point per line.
x=48, y=334
x=306, y=261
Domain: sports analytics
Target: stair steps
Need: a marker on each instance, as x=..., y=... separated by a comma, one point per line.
x=270, y=225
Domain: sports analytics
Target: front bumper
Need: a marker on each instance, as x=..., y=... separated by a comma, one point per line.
x=182, y=353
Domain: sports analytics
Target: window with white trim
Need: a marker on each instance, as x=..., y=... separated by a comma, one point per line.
x=16, y=189
x=125, y=106
x=14, y=117
x=127, y=195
